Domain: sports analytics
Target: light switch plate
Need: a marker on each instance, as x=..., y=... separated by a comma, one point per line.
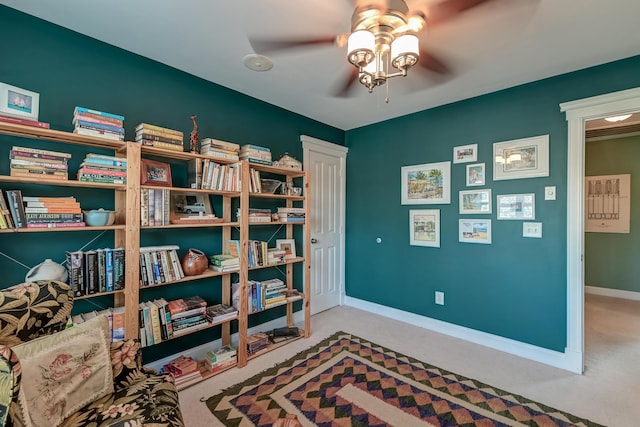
x=550, y=192
x=532, y=229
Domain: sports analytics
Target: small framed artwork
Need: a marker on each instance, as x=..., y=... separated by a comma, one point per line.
x=516, y=206
x=424, y=227
x=521, y=158
x=475, y=201
x=475, y=174
x=474, y=231
x=465, y=153
x=190, y=204
x=289, y=247
x=429, y=183
x=155, y=173
x=17, y=102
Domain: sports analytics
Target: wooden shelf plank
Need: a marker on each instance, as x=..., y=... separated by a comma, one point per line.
x=32, y=132
x=61, y=182
x=49, y=230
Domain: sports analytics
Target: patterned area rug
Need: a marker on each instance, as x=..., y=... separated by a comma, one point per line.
x=348, y=381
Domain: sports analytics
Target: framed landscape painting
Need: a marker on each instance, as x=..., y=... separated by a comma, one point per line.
x=475, y=201
x=424, y=227
x=521, y=158
x=475, y=231
x=429, y=183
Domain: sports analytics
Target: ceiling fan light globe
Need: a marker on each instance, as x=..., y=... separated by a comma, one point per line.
x=405, y=51
x=360, y=47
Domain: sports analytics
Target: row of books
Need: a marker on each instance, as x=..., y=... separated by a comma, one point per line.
x=261, y=255
x=98, y=123
x=206, y=174
x=94, y=271
x=219, y=149
x=23, y=121
x=38, y=212
x=256, y=154
x=159, y=264
x=115, y=315
x=103, y=168
x=262, y=295
x=36, y=163
x=160, y=137
x=155, y=207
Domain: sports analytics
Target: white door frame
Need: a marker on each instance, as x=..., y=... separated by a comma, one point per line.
x=577, y=113
x=310, y=143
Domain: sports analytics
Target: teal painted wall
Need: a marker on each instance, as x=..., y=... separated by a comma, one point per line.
x=515, y=287
x=611, y=259
x=68, y=69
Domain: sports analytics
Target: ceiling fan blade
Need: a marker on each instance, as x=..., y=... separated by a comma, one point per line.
x=447, y=9
x=271, y=45
x=431, y=62
x=343, y=90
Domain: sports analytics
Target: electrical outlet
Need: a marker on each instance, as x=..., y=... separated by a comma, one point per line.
x=439, y=298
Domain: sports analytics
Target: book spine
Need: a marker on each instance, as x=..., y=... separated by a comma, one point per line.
x=162, y=138
x=62, y=210
x=160, y=144
x=162, y=257
x=51, y=204
x=103, y=180
x=90, y=272
x=100, y=126
x=108, y=162
x=146, y=126
x=155, y=322
x=25, y=122
x=105, y=172
x=99, y=133
x=149, y=267
x=254, y=147
x=36, y=162
x=118, y=323
x=14, y=198
x=144, y=207
x=39, y=151
x=17, y=155
x=38, y=175
x=118, y=269
x=100, y=282
x=75, y=269
x=97, y=113
x=108, y=269
x=94, y=118
x=55, y=224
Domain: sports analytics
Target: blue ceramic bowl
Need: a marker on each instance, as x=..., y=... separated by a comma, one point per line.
x=99, y=217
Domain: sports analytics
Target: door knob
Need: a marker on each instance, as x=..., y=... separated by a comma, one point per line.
x=314, y=240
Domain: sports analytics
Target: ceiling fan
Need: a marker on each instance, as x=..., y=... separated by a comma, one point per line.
x=383, y=42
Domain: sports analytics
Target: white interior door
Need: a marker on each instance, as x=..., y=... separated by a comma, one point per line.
x=326, y=163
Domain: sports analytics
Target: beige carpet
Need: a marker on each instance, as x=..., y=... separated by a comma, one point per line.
x=607, y=393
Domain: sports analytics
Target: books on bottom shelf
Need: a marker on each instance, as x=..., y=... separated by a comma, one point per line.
x=221, y=358
x=184, y=370
x=257, y=342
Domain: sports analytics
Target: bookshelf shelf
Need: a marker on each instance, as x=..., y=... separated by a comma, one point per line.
x=61, y=182
x=99, y=294
x=272, y=346
x=59, y=136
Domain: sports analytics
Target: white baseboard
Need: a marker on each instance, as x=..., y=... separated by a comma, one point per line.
x=567, y=361
x=615, y=293
x=199, y=352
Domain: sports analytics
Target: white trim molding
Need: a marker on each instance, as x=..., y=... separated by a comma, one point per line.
x=538, y=354
x=577, y=113
x=613, y=293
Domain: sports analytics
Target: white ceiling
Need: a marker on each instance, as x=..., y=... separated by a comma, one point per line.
x=492, y=47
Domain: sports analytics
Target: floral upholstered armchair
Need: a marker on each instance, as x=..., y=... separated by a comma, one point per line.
x=51, y=375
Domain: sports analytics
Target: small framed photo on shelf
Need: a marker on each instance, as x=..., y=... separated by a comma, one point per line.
x=424, y=227
x=475, y=201
x=288, y=246
x=475, y=174
x=474, y=231
x=429, y=183
x=17, y=102
x=516, y=206
x=155, y=173
x=521, y=158
x=465, y=153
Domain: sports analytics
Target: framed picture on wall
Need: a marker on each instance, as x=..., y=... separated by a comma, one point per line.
x=465, y=153
x=474, y=231
x=424, y=227
x=521, y=158
x=516, y=206
x=475, y=174
x=429, y=183
x=607, y=204
x=475, y=201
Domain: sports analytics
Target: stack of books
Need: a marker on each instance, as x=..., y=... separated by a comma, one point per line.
x=257, y=342
x=52, y=212
x=36, y=163
x=188, y=315
x=219, y=149
x=220, y=359
x=256, y=154
x=257, y=215
x=26, y=122
x=275, y=255
x=157, y=136
x=273, y=292
x=291, y=215
x=224, y=262
x=218, y=313
x=184, y=369
x=102, y=168
x=160, y=264
x=98, y=123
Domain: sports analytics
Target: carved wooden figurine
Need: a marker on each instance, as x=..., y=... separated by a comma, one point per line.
x=193, y=141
